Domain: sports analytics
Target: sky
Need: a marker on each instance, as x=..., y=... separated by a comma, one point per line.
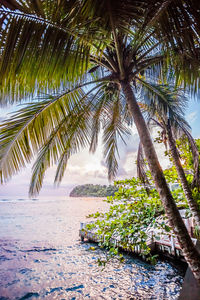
x=85, y=167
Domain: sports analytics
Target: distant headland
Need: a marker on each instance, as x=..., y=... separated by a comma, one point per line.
x=93, y=190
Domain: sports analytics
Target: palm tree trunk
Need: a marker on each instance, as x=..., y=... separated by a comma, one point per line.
x=190, y=253
x=188, y=193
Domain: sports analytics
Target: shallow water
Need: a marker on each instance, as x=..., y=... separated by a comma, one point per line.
x=42, y=257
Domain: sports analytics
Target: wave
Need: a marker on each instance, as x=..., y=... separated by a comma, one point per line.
x=17, y=200
x=4, y=200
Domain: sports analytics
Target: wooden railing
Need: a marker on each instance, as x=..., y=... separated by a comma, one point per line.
x=167, y=243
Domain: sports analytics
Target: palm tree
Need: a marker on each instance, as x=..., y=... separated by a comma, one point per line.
x=166, y=110
x=61, y=48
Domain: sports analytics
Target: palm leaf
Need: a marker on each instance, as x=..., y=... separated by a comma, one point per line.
x=40, y=53
x=167, y=101
x=30, y=128
x=66, y=139
x=113, y=129
x=79, y=139
x=101, y=107
x=167, y=105
x=195, y=156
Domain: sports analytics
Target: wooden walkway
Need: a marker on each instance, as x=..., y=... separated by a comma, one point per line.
x=167, y=244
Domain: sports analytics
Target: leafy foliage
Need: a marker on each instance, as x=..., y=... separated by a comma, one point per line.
x=188, y=162
x=134, y=211
x=86, y=49
x=131, y=217
x=166, y=109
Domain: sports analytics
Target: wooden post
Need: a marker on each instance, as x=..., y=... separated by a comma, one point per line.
x=172, y=245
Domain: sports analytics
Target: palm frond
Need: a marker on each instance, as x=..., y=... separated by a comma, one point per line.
x=195, y=156
x=167, y=104
x=164, y=104
x=67, y=138
x=165, y=100
x=40, y=53
x=113, y=129
x=101, y=107
x=96, y=120
x=177, y=20
x=29, y=129
x=79, y=139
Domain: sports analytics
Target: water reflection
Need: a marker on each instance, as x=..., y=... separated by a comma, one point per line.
x=41, y=257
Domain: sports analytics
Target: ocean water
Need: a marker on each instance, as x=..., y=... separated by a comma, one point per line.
x=42, y=257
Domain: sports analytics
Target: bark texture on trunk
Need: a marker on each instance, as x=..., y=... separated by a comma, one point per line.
x=189, y=251
x=188, y=193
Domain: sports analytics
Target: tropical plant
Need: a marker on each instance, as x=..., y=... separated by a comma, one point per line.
x=134, y=213
x=61, y=47
x=186, y=153
x=131, y=215
x=166, y=110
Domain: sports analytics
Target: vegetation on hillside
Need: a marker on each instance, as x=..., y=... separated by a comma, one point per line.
x=93, y=190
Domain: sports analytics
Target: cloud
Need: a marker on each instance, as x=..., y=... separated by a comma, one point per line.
x=82, y=168
x=192, y=116
x=127, y=156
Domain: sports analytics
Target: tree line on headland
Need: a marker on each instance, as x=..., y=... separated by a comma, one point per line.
x=93, y=190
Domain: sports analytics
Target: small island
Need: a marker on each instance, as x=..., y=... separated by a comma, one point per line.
x=93, y=190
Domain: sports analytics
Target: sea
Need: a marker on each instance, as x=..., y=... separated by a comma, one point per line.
x=42, y=257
